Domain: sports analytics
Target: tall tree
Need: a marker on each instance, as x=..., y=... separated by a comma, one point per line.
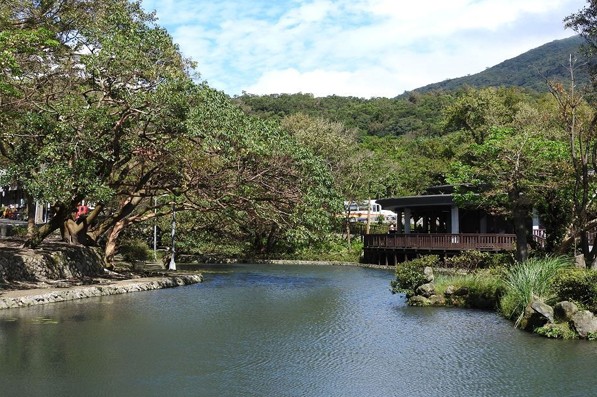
x=476, y=109
x=512, y=168
x=89, y=115
x=264, y=186
x=350, y=166
x=577, y=109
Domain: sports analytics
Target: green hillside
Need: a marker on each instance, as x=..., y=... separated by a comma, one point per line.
x=528, y=70
x=419, y=112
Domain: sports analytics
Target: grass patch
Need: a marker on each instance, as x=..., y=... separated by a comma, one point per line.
x=482, y=288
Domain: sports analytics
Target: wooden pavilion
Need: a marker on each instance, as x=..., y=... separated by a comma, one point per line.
x=432, y=223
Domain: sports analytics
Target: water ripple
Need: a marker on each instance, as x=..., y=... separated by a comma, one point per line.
x=282, y=331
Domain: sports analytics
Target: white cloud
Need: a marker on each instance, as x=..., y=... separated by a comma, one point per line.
x=323, y=82
x=355, y=47
x=310, y=12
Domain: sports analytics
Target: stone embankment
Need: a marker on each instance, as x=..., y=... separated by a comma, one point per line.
x=52, y=261
x=29, y=297
x=58, y=272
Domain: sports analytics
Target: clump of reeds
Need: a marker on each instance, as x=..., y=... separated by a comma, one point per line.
x=532, y=277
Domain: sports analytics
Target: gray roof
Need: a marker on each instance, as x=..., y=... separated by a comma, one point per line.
x=416, y=201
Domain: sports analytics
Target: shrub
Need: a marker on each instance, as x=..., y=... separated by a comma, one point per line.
x=472, y=260
x=578, y=286
x=409, y=275
x=335, y=250
x=469, y=260
x=522, y=281
x=19, y=231
x=500, y=260
x=134, y=250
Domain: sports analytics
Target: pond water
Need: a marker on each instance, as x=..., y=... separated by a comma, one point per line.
x=255, y=330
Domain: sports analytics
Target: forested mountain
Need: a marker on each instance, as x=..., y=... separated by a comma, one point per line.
x=376, y=116
x=419, y=112
x=529, y=70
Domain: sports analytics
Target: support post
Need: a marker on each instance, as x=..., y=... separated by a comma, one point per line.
x=172, y=264
x=455, y=223
x=455, y=220
x=155, y=229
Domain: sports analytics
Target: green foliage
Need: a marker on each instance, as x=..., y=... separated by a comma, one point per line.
x=409, y=275
x=578, y=286
x=510, y=163
x=19, y=231
x=92, y=103
x=334, y=249
x=97, y=103
x=557, y=331
x=483, y=291
x=134, y=250
x=251, y=183
x=555, y=212
x=473, y=260
x=476, y=111
x=498, y=261
x=518, y=158
x=469, y=260
x=416, y=115
x=532, y=277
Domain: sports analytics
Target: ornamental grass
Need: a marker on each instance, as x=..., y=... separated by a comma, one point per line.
x=532, y=277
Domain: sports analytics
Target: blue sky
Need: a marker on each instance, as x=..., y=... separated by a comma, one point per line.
x=362, y=48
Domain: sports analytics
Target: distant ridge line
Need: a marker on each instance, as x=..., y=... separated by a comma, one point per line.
x=528, y=70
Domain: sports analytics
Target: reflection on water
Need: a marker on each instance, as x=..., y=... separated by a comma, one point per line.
x=280, y=331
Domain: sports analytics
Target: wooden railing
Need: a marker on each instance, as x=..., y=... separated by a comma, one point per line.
x=442, y=242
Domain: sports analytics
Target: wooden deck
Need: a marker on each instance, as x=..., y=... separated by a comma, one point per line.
x=392, y=248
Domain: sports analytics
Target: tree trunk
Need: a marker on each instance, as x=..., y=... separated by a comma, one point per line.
x=593, y=265
x=111, y=242
x=271, y=239
x=566, y=244
x=368, y=226
x=70, y=232
x=56, y=222
x=348, y=233
x=520, y=228
x=31, y=228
